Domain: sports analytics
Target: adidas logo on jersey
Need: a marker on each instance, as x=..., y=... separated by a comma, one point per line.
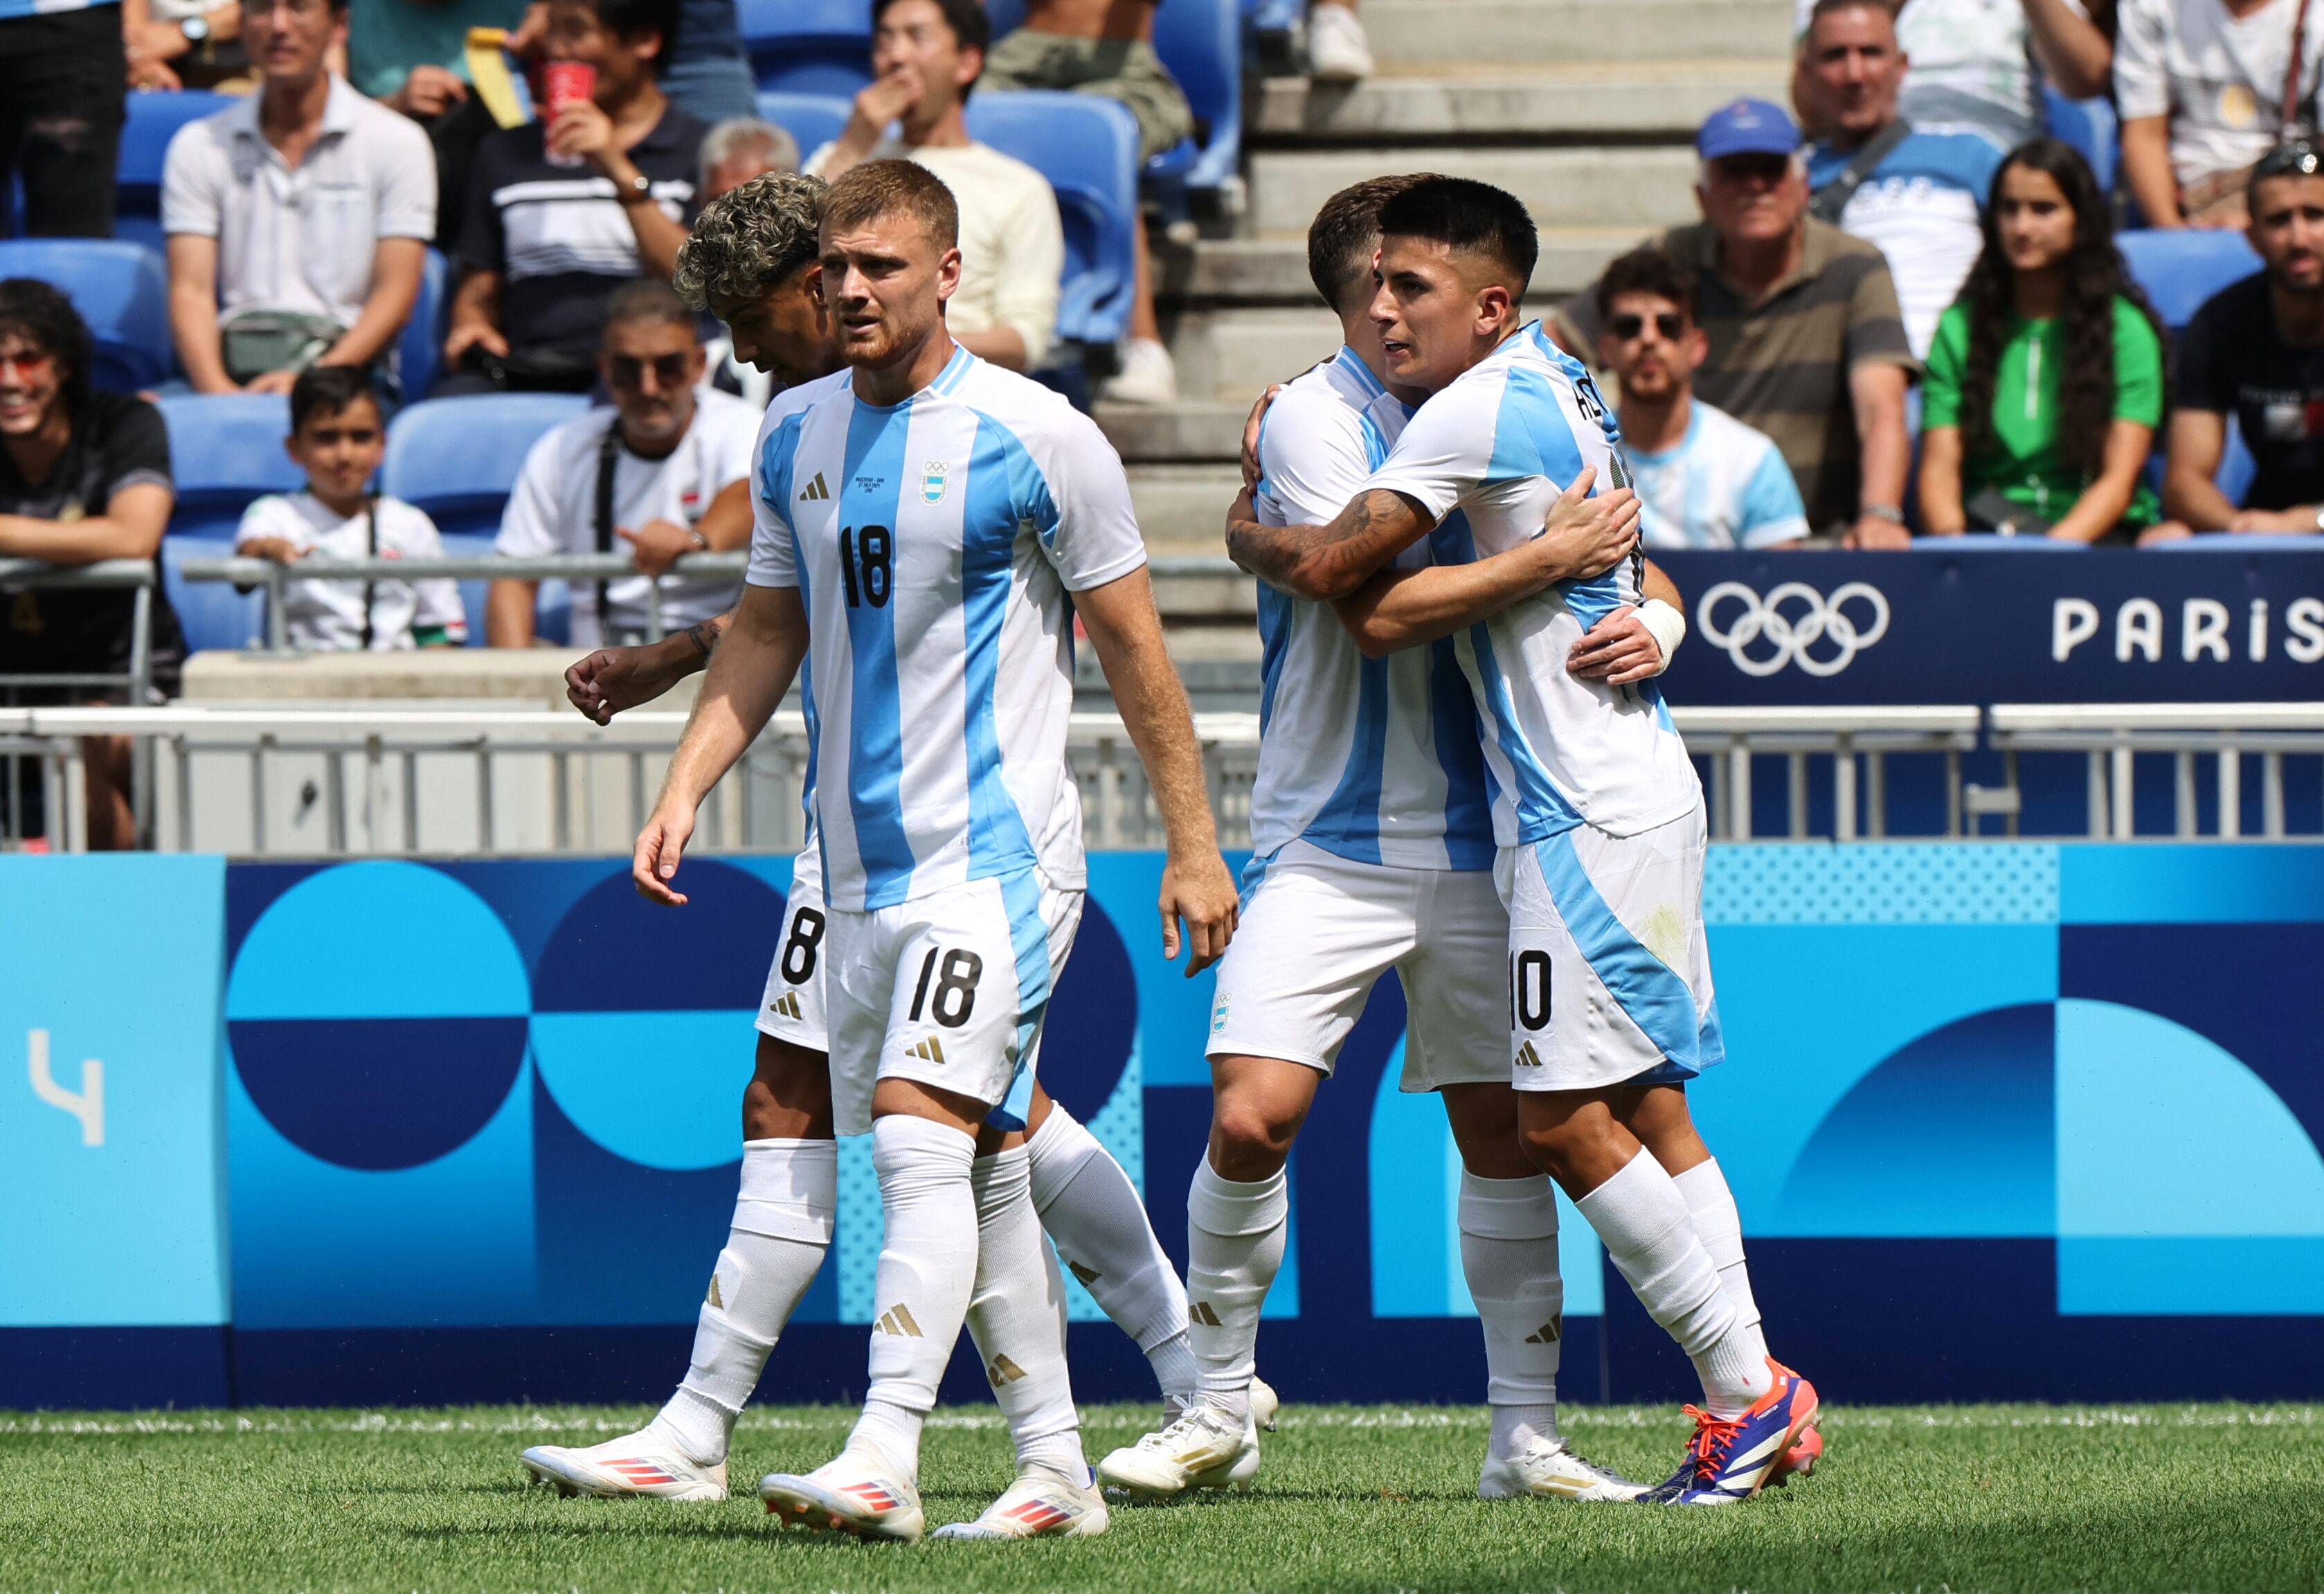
x=928, y=1050
x=1202, y=1312
x=788, y=1005
x=1547, y=1334
x=815, y=491
x=1003, y=1371
x=1528, y=1057
x=897, y=1320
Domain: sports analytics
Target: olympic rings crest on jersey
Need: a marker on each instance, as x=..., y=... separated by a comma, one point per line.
x=1817, y=620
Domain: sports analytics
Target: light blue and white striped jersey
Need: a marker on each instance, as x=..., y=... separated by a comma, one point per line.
x=1724, y=485
x=1488, y=456
x=1375, y=760
x=933, y=542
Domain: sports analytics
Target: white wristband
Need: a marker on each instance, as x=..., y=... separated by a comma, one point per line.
x=1668, y=625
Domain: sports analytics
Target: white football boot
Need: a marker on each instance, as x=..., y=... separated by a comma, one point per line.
x=1264, y=1404
x=1204, y=1448
x=640, y=1463
x=1039, y=1504
x=858, y=1494
x=1553, y=1472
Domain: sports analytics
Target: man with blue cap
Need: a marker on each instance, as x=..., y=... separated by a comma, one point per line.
x=1806, y=342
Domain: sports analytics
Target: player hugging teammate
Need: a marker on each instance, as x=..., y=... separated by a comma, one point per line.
x=1465, y=774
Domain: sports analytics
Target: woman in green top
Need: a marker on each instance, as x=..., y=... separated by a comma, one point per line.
x=2045, y=379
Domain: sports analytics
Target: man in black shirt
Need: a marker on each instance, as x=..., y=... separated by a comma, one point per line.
x=83, y=476
x=563, y=210
x=2256, y=351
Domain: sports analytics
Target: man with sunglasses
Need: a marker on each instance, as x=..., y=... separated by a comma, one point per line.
x=662, y=473
x=1703, y=478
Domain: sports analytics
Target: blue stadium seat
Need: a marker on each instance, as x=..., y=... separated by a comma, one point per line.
x=1274, y=16
x=1200, y=42
x=212, y=614
x=808, y=46
x=457, y=457
x=153, y=120
x=224, y=451
x=121, y=289
x=420, y=348
x=814, y=119
x=2090, y=127
x=2182, y=268
x=1087, y=147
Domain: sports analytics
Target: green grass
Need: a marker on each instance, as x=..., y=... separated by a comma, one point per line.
x=1941, y=1498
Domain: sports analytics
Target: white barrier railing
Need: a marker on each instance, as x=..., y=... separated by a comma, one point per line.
x=2111, y=737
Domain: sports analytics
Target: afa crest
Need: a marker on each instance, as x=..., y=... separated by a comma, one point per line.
x=935, y=475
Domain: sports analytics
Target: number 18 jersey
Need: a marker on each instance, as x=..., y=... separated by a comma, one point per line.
x=933, y=542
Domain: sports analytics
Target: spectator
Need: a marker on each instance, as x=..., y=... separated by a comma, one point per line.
x=2205, y=88
x=413, y=54
x=2256, y=351
x=709, y=71
x=298, y=218
x=1703, y=478
x=2045, y=384
x=1978, y=65
x=928, y=55
x=64, y=68
x=1914, y=194
x=1109, y=51
x=83, y=476
x=1337, y=50
x=1805, y=343
x=191, y=45
x=735, y=153
x=338, y=437
x=560, y=213
x=664, y=470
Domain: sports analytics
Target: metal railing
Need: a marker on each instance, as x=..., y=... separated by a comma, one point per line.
x=2111, y=737
x=135, y=682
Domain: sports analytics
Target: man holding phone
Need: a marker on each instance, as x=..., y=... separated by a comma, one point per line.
x=563, y=209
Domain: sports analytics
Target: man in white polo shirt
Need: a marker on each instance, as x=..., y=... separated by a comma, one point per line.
x=298, y=219
x=664, y=472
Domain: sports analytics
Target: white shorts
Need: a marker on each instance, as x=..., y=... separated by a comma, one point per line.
x=948, y=989
x=1317, y=930
x=1609, y=970
x=792, y=1009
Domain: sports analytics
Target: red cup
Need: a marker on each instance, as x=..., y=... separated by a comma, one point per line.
x=562, y=82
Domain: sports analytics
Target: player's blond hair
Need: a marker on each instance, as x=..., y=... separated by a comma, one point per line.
x=748, y=242
x=887, y=188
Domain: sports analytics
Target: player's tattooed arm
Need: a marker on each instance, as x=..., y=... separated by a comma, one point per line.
x=1326, y=562
x=613, y=679
x=1582, y=536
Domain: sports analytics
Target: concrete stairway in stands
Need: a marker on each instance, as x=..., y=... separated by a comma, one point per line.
x=1584, y=108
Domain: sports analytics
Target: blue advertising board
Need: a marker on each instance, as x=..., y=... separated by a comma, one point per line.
x=2003, y=1120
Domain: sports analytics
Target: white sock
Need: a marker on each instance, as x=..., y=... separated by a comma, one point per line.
x=1017, y=1316
x=1102, y=1233
x=1710, y=1207
x=1509, y=1255
x=782, y=1227
x=1643, y=1220
x=928, y=1268
x=1234, y=1246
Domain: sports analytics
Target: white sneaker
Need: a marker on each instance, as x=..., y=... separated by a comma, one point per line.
x=858, y=1493
x=1147, y=376
x=1553, y=1472
x=1264, y=1404
x=1203, y=1448
x=1038, y=1505
x=1337, y=50
x=640, y=1463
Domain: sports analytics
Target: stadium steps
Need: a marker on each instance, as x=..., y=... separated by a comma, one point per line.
x=1410, y=33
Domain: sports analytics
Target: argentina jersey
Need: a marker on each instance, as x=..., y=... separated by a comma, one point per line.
x=1373, y=760
x=1488, y=457
x=933, y=542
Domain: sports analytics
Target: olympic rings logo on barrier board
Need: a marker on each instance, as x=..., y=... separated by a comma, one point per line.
x=1817, y=620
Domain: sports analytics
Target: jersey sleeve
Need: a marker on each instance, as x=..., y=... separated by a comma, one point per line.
x=1446, y=451
x=190, y=172
x=2142, y=81
x=774, y=556
x=1310, y=457
x=2138, y=366
x=1941, y=388
x=1771, y=511
x=406, y=196
x=528, y=525
x=435, y=601
x=273, y=516
x=1077, y=496
x=2205, y=378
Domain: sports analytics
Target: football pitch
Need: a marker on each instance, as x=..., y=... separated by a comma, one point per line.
x=1953, y=1498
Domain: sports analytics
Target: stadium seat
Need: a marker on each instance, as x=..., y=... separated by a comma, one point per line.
x=224, y=451
x=1087, y=147
x=121, y=289
x=814, y=119
x=2182, y=268
x=2090, y=127
x=211, y=614
x=153, y=120
x=808, y=46
x=418, y=347
x=457, y=457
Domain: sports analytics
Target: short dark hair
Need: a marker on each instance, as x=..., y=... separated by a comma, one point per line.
x=632, y=19
x=1646, y=269
x=881, y=188
x=972, y=29
x=1345, y=234
x=331, y=389
x=40, y=313
x=1470, y=218
x=648, y=299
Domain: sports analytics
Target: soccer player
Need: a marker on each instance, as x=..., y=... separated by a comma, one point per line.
x=1373, y=850
x=752, y=261
x=1596, y=812
x=926, y=520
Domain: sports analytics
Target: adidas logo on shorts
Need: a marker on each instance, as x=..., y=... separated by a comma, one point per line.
x=1528, y=1057
x=897, y=1320
x=928, y=1050
x=788, y=1005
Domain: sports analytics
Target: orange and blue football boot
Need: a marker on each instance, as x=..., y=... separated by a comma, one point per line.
x=1729, y=1461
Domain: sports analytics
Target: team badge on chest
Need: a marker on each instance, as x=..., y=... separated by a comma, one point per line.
x=935, y=475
